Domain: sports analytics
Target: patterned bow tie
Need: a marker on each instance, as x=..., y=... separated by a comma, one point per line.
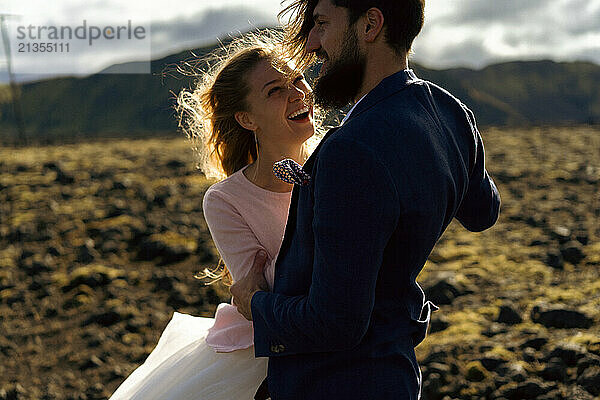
x=290, y=171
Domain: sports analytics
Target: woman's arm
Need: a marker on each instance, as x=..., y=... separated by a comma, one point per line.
x=235, y=240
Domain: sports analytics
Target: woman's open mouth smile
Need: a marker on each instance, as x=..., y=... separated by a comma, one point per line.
x=301, y=116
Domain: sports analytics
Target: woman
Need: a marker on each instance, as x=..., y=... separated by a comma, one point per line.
x=249, y=112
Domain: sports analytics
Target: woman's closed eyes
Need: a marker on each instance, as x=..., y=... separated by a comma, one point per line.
x=276, y=89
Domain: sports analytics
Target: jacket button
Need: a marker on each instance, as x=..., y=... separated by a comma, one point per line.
x=277, y=348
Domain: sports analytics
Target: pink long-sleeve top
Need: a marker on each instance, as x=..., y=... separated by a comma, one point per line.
x=242, y=218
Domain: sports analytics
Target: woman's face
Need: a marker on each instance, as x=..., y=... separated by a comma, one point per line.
x=279, y=108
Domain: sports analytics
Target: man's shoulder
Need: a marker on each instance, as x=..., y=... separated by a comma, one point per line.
x=400, y=123
x=408, y=109
x=419, y=96
x=438, y=90
x=443, y=95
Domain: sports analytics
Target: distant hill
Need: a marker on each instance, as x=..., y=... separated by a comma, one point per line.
x=508, y=94
x=526, y=92
x=103, y=104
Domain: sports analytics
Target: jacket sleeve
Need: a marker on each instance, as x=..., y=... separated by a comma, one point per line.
x=235, y=240
x=356, y=210
x=480, y=205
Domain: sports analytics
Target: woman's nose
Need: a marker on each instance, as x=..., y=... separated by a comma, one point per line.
x=296, y=93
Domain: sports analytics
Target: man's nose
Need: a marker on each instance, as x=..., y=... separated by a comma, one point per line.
x=312, y=42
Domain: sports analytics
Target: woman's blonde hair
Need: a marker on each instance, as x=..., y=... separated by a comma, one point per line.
x=207, y=112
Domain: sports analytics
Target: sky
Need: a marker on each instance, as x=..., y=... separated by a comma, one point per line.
x=457, y=33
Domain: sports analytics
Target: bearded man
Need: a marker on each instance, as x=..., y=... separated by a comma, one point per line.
x=346, y=311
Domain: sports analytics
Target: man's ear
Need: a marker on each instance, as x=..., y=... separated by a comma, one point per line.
x=373, y=26
x=245, y=121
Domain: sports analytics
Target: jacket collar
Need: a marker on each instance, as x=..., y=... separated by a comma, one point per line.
x=387, y=87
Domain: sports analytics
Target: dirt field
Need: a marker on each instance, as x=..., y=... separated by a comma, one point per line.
x=99, y=243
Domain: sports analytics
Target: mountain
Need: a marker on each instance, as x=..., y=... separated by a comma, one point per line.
x=103, y=104
x=526, y=92
x=520, y=93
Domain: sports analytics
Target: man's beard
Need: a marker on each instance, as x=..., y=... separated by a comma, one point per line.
x=342, y=81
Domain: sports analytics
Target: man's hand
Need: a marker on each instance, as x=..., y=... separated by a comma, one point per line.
x=243, y=290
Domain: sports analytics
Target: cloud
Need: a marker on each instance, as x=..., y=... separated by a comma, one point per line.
x=484, y=11
x=473, y=49
x=470, y=33
x=477, y=32
x=587, y=19
x=168, y=35
x=206, y=26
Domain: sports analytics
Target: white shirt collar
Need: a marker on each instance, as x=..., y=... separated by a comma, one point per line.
x=352, y=109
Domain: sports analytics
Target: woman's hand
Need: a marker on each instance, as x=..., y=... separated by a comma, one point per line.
x=243, y=290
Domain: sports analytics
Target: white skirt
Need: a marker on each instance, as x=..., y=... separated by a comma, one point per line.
x=183, y=367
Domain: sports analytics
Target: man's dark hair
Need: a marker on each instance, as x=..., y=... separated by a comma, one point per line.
x=403, y=22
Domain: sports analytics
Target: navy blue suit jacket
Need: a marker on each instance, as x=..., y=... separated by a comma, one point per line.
x=346, y=312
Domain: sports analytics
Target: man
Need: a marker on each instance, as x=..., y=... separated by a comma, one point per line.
x=346, y=312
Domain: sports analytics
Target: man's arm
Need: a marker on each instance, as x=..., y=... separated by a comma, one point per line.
x=480, y=206
x=355, y=212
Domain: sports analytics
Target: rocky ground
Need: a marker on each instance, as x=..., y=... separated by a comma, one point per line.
x=99, y=243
